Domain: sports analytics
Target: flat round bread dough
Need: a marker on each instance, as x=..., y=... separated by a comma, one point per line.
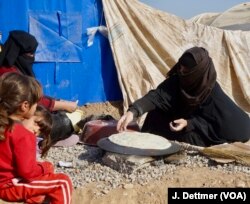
x=140, y=140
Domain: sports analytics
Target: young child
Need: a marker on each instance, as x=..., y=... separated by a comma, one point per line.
x=22, y=178
x=41, y=124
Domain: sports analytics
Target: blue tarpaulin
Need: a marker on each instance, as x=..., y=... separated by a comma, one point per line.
x=65, y=65
x=59, y=36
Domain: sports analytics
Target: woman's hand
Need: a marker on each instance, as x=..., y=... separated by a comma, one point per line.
x=69, y=106
x=124, y=121
x=178, y=125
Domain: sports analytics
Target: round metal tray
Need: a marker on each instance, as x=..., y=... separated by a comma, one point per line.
x=107, y=145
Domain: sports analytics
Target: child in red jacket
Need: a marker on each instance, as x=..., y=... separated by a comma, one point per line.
x=22, y=178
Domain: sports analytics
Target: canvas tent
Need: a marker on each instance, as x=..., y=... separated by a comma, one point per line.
x=235, y=18
x=145, y=44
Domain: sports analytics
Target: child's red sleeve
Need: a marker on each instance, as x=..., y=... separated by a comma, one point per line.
x=24, y=150
x=47, y=102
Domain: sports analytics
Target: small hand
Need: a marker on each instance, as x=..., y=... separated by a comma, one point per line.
x=178, y=125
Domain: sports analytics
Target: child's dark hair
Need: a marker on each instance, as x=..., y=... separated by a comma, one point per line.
x=15, y=89
x=45, y=125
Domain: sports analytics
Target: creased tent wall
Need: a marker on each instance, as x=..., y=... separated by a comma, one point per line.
x=147, y=42
x=235, y=18
x=65, y=65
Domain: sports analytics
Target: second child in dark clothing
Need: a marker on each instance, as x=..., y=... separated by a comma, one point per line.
x=41, y=125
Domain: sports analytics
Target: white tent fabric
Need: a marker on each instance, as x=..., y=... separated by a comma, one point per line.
x=147, y=42
x=235, y=18
x=204, y=18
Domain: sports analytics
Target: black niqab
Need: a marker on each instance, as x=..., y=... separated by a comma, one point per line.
x=196, y=84
x=14, y=49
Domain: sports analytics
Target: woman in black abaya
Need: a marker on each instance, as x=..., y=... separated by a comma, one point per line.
x=190, y=106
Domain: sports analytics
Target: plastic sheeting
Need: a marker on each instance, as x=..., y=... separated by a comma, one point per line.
x=65, y=65
x=147, y=42
x=59, y=36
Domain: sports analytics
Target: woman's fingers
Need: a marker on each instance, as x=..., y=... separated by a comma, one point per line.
x=120, y=124
x=124, y=121
x=178, y=125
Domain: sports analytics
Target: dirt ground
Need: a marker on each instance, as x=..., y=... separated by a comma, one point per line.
x=156, y=191
x=114, y=109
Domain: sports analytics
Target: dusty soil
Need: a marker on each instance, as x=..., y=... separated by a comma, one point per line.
x=156, y=191
x=114, y=109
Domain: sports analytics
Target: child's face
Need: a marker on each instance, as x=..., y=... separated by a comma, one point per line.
x=32, y=124
x=30, y=111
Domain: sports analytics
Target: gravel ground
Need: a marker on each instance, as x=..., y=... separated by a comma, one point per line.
x=85, y=166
